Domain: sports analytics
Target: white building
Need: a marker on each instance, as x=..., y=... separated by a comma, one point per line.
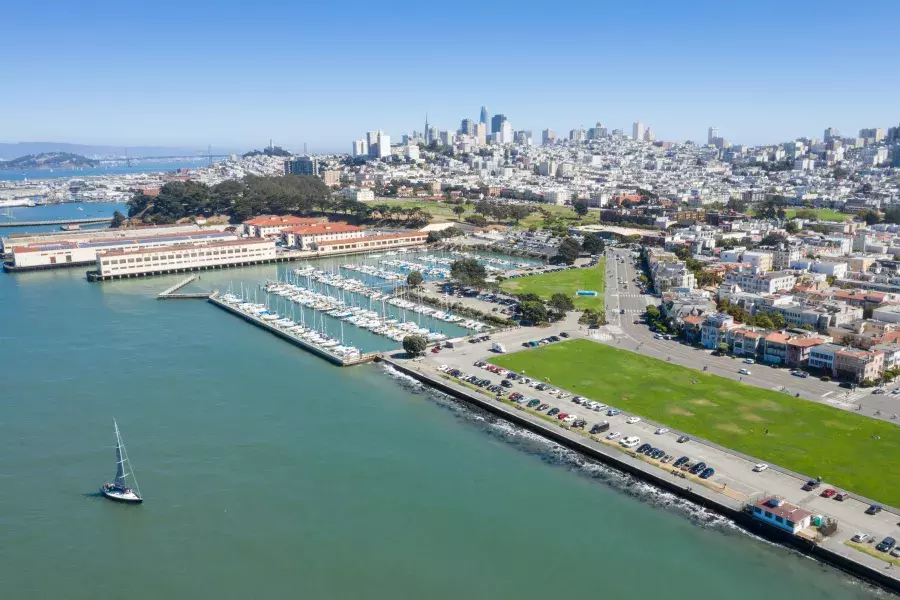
x=760, y=261
x=775, y=511
x=134, y=262
x=307, y=237
x=889, y=313
x=360, y=148
x=384, y=145
x=637, y=131
x=358, y=194
x=763, y=283
x=558, y=196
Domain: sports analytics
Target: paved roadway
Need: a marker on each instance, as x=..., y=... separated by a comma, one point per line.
x=636, y=337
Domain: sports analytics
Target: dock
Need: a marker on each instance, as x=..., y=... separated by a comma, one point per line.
x=170, y=294
x=55, y=222
x=293, y=339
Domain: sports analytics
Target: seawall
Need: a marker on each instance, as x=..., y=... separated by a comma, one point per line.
x=622, y=461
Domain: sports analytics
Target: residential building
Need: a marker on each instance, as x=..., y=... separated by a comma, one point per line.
x=331, y=177
x=773, y=348
x=360, y=148
x=763, y=283
x=784, y=255
x=305, y=165
x=637, y=131
x=761, y=262
x=822, y=356
x=715, y=328
x=858, y=365
x=775, y=511
x=799, y=350
x=889, y=313
x=358, y=194
x=272, y=225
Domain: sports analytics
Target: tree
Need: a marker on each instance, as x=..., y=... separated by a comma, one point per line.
x=581, y=208
x=892, y=214
x=593, y=243
x=871, y=217
x=414, y=279
x=534, y=312
x=764, y=321
x=458, y=210
x=722, y=348
x=561, y=304
x=469, y=272
x=477, y=220
x=567, y=252
x=652, y=313
x=792, y=228
x=118, y=219
x=517, y=212
x=415, y=345
x=529, y=297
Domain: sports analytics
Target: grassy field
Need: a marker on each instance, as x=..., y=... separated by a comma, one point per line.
x=804, y=436
x=824, y=214
x=566, y=282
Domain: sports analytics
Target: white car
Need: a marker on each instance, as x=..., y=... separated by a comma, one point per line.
x=552, y=392
x=534, y=384
x=631, y=441
x=614, y=435
x=633, y=420
x=760, y=467
x=860, y=537
x=598, y=406
x=563, y=395
x=744, y=372
x=443, y=368
x=661, y=431
x=749, y=361
x=570, y=419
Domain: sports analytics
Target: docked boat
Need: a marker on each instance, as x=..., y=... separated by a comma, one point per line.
x=119, y=490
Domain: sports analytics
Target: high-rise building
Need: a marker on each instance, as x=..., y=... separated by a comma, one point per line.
x=497, y=122
x=637, y=131
x=467, y=127
x=831, y=133
x=548, y=137
x=505, y=135
x=596, y=132
x=875, y=134
x=649, y=136
x=481, y=134
x=447, y=138
x=372, y=138
x=711, y=135
x=523, y=137
x=433, y=135
x=305, y=165
x=577, y=135
x=484, y=116
x=384, y=145
x=360, y=148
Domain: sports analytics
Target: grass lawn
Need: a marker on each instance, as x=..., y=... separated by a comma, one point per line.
x=804, y=436
x=825, y=214
x=566, y=282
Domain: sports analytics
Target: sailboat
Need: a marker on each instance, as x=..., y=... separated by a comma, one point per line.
x=119, y=490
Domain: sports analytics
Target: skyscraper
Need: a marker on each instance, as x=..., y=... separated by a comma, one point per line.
x=467, y=127
x=548, y=137
x=481, y=134
x=484, y=115
x=497, y=123
x=360, y=148
x=384, y=145
x=831, y=133
x=711, y=135
x=637, y=131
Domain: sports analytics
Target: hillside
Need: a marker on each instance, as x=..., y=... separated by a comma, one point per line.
x=48, y=160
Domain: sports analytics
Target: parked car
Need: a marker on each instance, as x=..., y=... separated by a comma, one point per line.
x=861, y=537
x=874, y=509
x=643, y=448
x=543, y=407
x=661, y=431
x=841, y=496
x=506, y=383
x=579, y=423
x=707, y=473
x=683, y=439
x=680, y=461
x=631, y=441
x=614, y=435
x=553, y=411
x=633, y=420
x=828, y=493
x=749, y=361
x=563, y=334
x=811, y=485
x=613, y=412
x=698, y=467
x=562, y=416
x=600, y=427
x=759, y=468
x=667, y=458
x=886, y=545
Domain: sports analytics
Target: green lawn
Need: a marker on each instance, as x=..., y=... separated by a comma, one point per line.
x=566, y=282
x=804, y=436
x=825, y=214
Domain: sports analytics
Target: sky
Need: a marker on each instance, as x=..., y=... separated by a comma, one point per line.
x=235, y=74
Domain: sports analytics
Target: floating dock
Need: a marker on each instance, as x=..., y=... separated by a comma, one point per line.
x=297, y=341
x=170, y=294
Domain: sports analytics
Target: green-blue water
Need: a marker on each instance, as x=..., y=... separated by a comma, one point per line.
x=268, y=473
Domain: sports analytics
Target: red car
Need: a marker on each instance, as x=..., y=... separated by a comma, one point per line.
x=436, y=349
x=562, y=415
x=829, y=493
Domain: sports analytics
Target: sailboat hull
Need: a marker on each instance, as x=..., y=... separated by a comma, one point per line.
x=121, y=496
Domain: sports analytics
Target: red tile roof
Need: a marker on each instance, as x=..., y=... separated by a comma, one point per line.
x=805, y=342
x=785, y=511
x=322, y=229
x=287, y=220
x=394, y=236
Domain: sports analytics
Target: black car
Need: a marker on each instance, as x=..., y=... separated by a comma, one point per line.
x=563, y=334
x=659, y=453
x=698, y=467
x=543, y=407
x=874, y=509
x=579, y=423
x=811, y=485
x=553, y=411
x=680, y=461
x=506, y=383
x=707, y=473
x=683, y=439
x=554, y=338
x=643, y=448
x=886, y=545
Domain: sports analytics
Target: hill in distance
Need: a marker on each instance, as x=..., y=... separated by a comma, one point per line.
x=48, y=160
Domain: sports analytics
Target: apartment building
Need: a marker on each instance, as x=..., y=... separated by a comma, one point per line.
x=858, y=365
x=762, y=283
x=271, y=225
x=715, y=329
x=306, y=237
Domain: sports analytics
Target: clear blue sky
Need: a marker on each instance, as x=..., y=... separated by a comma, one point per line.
x=235, y=74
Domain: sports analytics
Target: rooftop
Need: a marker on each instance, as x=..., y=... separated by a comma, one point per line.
x=782, y=509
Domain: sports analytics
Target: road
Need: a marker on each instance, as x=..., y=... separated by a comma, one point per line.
x=623, y=293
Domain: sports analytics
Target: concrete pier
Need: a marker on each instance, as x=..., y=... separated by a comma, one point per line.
x=170, y=294
x=55, y=222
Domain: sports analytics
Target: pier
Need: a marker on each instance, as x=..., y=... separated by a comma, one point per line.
x=297, y=341
x=55, y=222
x=170, y=294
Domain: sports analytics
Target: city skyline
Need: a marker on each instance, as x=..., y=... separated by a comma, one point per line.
x=220, y=78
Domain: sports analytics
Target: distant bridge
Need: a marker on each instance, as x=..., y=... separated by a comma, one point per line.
x=55, y=222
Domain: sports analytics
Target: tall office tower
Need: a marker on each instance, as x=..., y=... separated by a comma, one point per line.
x=649, y=136
x=577, y=135
x=360, y=148
x=875, y=134
x=596, y=132
x=481, y=134
x=711, y=135
x=484, y=116
x=372, y=138
x=831, y=133
x=505, y=135
x=433, y=135
x=523, y=137
x=497, y=122
x=447, y=138
x=548, y=137
x=637, y=131
x=467, y=127
x=384, y=145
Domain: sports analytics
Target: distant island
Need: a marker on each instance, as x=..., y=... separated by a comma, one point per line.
x=48, y=160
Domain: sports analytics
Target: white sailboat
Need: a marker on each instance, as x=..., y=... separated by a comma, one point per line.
x=119, y=490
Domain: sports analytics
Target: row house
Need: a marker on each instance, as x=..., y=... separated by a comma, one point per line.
x=858, y=365
x=715, y=329
x=799, y=350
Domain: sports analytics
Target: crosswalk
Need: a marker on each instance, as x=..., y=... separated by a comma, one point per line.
x=603, y=336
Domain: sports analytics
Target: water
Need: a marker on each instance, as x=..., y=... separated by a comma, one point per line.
x=57, y=212
x=269, y=473
x=147, y=167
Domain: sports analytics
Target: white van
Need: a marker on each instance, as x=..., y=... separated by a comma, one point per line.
x=631, y=441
